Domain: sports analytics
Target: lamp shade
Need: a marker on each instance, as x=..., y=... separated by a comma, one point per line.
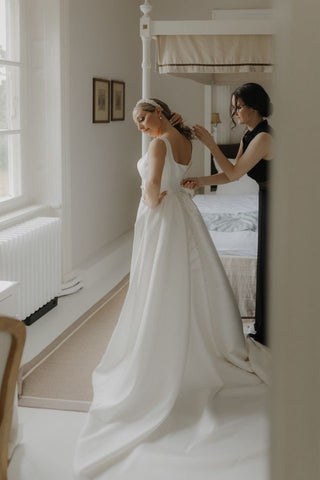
x=215, y=118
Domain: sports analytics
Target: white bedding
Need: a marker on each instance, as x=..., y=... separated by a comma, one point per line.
x=237, y=250
x=242, y=243
x=236, y=244
x=212, y=202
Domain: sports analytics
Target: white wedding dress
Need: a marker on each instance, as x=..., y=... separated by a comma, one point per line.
x=179, y=394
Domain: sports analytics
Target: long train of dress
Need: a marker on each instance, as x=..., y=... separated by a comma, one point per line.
x=179, y=393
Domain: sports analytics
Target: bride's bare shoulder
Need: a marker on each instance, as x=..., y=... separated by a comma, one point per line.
x=157, y=148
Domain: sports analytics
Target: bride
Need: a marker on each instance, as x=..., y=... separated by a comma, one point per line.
x=179, y=393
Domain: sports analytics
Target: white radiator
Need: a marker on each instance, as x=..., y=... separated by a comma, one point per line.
x=30, y=253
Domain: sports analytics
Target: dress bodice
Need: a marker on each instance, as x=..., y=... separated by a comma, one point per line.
x=172, y=174
x=261, y=171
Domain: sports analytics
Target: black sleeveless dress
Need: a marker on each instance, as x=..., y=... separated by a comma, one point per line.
x=261, y=174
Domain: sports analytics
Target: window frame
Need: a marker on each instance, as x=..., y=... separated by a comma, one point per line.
x=8, y=204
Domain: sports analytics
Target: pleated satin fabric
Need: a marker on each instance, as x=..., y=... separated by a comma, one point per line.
x=178, y=384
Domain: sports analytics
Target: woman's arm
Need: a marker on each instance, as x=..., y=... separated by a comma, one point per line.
x=156, y=157
x=196, y=182
x=259, y=147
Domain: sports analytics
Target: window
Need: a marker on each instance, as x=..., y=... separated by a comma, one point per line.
x=10, y=101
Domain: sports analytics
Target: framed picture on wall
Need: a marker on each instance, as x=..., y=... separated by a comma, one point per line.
x=101, y=101
x=117, y=100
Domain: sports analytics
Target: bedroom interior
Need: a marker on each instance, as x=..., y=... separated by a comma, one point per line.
x=102, y=242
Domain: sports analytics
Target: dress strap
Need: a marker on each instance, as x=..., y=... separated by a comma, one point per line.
x=166, y=141
x=168, y=145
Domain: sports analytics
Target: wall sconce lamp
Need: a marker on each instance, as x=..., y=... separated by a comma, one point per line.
x=215, y=120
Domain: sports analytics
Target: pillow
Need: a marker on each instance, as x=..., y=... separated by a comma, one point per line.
x=245, y=184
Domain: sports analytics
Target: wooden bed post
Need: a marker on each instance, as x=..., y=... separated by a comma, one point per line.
x=146, y=38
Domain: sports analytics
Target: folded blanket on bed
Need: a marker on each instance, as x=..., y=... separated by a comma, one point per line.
x=231, y=222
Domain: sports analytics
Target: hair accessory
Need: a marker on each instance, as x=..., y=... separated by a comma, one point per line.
x=148, y=100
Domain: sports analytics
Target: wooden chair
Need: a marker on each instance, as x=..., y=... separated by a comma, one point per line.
x=12, y=339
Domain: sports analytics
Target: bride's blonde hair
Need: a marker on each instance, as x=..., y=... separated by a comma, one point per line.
x=151, y=107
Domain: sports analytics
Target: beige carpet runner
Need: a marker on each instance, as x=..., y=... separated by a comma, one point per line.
x=63, y=380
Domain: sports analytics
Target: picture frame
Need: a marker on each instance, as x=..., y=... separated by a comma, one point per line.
x=117, y=100
x=101, y=100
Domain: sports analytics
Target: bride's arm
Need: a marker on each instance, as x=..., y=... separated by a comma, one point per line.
x=156, y=157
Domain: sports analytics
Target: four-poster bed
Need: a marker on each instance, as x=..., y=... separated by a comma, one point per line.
x=232, y=48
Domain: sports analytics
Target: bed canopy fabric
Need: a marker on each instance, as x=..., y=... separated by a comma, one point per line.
x=217, y=59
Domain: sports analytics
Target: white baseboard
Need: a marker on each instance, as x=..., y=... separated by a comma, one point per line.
x=99, y=275
x=107, y=260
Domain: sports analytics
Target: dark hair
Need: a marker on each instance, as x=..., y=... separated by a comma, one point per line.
x=254, y=96
x=147, y=107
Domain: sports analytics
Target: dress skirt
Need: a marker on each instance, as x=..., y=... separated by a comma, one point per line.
x=179, y=394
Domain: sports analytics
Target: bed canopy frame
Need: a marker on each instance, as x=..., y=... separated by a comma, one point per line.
x=225, y=24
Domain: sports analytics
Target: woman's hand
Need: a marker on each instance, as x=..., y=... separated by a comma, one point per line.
x=176, y=119
x=204, y=136
x=150, y=204
x=162, y=195
x=192, y=183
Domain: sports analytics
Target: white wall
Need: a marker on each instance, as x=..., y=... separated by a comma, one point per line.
x=104, y=42
x=295, y=240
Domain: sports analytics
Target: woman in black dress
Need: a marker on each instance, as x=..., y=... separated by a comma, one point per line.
x=250, y=105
